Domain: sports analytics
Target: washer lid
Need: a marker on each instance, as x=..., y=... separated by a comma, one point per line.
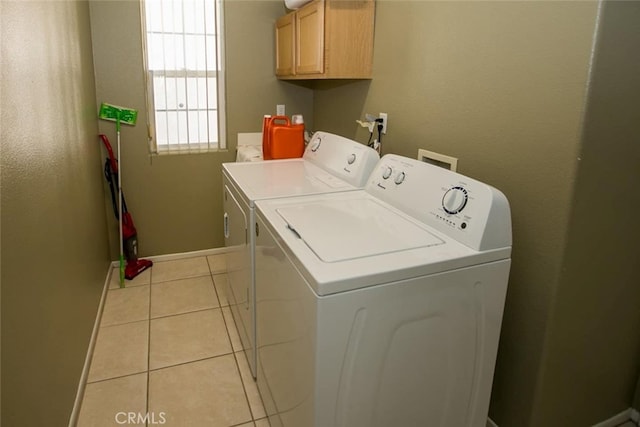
x=340, y=230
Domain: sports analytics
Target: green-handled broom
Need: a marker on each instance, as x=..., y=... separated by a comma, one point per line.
x=128, y=116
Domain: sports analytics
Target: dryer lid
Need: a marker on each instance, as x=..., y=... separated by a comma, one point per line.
x=340, y=230
x=282, y=178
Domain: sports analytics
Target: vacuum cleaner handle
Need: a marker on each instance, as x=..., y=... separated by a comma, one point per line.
x=112, y=158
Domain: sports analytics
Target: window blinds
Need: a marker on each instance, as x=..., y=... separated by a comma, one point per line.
x=185, y=79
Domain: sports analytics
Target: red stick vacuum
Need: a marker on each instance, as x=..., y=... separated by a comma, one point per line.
x=134, y=265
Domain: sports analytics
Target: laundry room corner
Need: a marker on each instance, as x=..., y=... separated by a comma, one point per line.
x=187, y=188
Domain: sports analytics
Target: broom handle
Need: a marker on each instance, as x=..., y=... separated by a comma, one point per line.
x=121, y=265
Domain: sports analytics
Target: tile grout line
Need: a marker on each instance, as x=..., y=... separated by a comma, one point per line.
x=210, y=274
x=183, y=278
x=149, y=343
x=118, y=377
x=215, y=291
x=101, y=326
x=149, y=369
x=186, y=312
x=241, y=353
x=213, y=278
x=235, y=357
x=243, y=424
x=213, y=282
x=189, y=362
x=244, y=388
x=124, y=323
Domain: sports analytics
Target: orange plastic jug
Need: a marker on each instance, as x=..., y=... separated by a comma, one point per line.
x=281, y=139
x=266, y=147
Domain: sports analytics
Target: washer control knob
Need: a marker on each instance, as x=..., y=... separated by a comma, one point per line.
x=399, y=178
x=351, y=159
x=316, y=144
x=387, y=173
x=454, y=200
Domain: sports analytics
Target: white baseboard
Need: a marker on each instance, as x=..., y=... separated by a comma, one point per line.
x=181, y=255
x=616, y=420
x=75, y=412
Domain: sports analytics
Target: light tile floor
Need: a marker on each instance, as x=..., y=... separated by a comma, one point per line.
x=168, y=349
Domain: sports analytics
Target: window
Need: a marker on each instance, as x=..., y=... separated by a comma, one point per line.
x=185, y=75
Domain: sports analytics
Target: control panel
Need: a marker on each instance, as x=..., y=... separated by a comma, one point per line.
x=467, y=210
x=342, y=157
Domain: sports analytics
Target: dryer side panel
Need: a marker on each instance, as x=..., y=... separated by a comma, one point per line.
x=239, y=272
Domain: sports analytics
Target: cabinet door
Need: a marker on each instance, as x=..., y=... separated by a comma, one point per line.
x=310, y=38
x=285, y=45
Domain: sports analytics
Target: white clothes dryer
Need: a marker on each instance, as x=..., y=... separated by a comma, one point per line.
x=382, y=307
x=330, y=163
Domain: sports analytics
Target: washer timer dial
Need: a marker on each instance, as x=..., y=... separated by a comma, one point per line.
x=454, y=200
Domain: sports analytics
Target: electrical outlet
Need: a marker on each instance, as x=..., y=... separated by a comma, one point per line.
x=384, y=118
x=280, y=110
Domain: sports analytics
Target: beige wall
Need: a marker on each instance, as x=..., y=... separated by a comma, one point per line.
x=54, y=246
x=176, y=200
x=592, y=354
x=499, y=85
x=502, y=86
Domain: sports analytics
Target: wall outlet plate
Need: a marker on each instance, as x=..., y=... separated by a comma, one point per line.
x=384, y=118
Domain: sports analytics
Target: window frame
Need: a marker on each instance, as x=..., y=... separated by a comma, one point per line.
x=220, y=78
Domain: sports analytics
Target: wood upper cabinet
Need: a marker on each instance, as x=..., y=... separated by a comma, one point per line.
x=309, y=46
x=285, y=45
x=326, y=39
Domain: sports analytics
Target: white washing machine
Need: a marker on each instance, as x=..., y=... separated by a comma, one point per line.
x=382, y=307
x=330, y=163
